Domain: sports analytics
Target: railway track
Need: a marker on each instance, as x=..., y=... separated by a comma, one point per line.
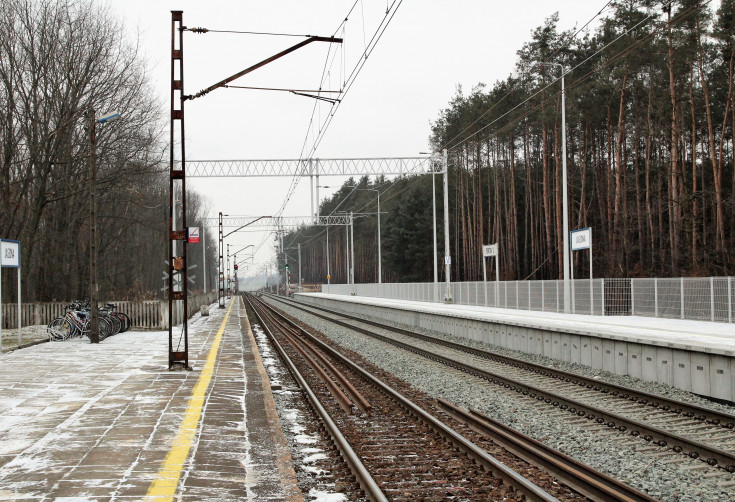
x=397, y=441
x=682, y=428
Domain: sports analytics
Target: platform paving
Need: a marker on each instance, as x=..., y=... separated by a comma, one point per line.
x=711, y=337
x=108, y=422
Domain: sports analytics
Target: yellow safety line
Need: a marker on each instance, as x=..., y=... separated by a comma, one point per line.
x=164, y=485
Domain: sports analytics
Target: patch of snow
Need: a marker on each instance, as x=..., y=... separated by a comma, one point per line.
x=319, y=496
x=304, y=439
x=314, y=458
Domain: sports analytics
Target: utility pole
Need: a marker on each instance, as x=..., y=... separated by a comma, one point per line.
x=204, y=255
x=177, y=176
x=380, y=260
x=220, y=266
x=565, y=201
x=94, y=321
x=300, y=288
x=347, y=253
x=447, y=253
x=329, y=277
x=352, y=248
x=178, y=284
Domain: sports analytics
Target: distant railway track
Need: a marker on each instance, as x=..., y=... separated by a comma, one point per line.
x=377, y=412
x=682, y=428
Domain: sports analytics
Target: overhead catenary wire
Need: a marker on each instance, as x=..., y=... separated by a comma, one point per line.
x=682, y=15
x=335, y=106
x=516, y=88
x=359, y=66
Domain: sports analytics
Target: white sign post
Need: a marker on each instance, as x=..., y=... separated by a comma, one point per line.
x=9, y=258
x=579, y=240
x=490, y=250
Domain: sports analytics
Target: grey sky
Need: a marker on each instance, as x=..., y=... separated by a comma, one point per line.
x=429, y=48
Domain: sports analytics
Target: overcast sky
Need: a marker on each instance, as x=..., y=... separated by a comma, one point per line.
x=429, y=48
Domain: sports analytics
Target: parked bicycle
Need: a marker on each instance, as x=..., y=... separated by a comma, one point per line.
x=75, y=322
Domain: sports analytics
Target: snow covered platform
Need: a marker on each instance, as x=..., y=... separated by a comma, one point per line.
x=111, y=422
x=696, y=356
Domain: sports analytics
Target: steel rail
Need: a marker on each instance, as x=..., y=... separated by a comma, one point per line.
x=696, y=450
x=341, y=397
x=526, y=487
x=700, y=413
x=364, y=478
x=342, y=394
x=591, y=483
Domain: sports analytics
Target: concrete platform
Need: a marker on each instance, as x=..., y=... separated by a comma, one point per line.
x=696, y=356
x=110, y=422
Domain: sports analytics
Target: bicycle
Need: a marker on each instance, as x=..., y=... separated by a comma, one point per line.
x=75, y=322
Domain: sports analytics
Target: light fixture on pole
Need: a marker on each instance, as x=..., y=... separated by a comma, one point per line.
x=565, y=204
x=447, y=252
x=94, y=320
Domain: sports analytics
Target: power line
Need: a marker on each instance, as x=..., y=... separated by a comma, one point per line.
x=388, y=17
x=681, y=16
x=514, y=89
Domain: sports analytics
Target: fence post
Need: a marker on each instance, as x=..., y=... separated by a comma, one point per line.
x=729, y=299
x=543, y=304
x=603, y=296
x=632, y=296
x=682, y=296
x=655, y=297
x=163, y=309
x=712, y=296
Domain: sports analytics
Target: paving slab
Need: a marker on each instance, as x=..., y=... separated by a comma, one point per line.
x=107, y=422
x=685, y=334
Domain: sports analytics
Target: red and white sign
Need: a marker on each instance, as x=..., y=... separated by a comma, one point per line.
x=193, y=233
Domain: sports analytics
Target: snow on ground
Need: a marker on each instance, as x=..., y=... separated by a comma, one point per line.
x=319, y=496
x=305, y=455
x=29, y=334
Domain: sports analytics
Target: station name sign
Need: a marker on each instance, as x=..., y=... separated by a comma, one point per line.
x=581, y=239
x=490, y=250
x=9, y=253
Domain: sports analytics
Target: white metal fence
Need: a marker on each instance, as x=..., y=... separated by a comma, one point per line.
x=151, y=314
x=706, y=298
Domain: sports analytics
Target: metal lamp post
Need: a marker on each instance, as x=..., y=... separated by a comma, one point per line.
x=94, y=321
x=447, y=257
x=380, y=261
x=433, y=212
x=565, y=205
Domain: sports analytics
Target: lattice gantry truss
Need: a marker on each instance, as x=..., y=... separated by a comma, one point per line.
x=310, y=167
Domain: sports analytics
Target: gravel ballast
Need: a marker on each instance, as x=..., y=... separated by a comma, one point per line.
x=617, y=455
